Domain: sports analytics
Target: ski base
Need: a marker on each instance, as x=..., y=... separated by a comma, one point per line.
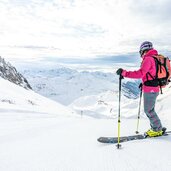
x=114, y=140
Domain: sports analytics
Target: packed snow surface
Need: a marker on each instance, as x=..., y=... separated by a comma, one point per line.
x=38, y=134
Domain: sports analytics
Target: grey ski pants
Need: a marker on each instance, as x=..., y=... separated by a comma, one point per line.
x=149, y=109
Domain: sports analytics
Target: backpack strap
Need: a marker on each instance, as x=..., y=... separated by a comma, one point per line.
x=158, y=68
x=167, y=71
x=161, y=90
x=148, y=74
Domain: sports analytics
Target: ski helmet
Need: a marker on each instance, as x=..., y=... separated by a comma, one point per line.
x=145, y=46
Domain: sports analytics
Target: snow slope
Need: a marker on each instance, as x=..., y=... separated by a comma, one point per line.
x=17, y=99
x=48, y=137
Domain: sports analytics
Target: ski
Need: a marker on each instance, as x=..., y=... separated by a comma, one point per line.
x=114, y=140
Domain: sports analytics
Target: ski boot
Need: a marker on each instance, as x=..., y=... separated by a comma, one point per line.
x=151, y=133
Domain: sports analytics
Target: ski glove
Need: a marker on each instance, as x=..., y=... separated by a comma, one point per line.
x=119, y=71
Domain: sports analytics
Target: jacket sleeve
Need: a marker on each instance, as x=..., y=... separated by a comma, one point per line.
x=145, y=67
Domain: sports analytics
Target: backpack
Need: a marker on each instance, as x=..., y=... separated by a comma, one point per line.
x=163, y=73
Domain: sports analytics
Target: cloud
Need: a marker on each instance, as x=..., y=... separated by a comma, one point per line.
x=77, y=27
x=153, y=11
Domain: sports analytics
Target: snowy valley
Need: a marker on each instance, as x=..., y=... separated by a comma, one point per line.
x=66, y=85
x=93, y=93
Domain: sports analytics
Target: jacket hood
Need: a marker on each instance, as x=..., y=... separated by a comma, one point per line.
x=151, y=52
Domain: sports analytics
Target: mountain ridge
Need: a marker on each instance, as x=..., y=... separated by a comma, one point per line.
x=10, y=73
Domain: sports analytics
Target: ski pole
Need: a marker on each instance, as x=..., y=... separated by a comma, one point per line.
x=138, y=119
x=119, y=116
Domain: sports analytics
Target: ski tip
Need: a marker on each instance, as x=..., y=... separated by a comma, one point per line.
x=145, y=135
x=164, y=129
x=100, y=139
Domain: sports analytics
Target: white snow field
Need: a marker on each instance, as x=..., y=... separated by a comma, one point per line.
x=38, y=134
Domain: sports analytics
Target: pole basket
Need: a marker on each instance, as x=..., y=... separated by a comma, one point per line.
x=118, y=146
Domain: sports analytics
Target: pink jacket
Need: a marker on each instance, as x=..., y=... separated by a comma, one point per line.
x=148, y=65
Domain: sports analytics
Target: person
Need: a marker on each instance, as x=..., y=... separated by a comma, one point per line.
x=149, y=93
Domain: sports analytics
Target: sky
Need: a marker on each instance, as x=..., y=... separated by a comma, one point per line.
x=82, y=28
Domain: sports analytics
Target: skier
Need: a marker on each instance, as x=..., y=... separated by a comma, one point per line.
x=150, y=93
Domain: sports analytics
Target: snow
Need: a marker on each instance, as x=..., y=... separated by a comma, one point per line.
x=38, y=134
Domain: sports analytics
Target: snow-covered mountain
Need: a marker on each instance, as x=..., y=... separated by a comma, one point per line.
x=9, y=72
x=65, y=85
